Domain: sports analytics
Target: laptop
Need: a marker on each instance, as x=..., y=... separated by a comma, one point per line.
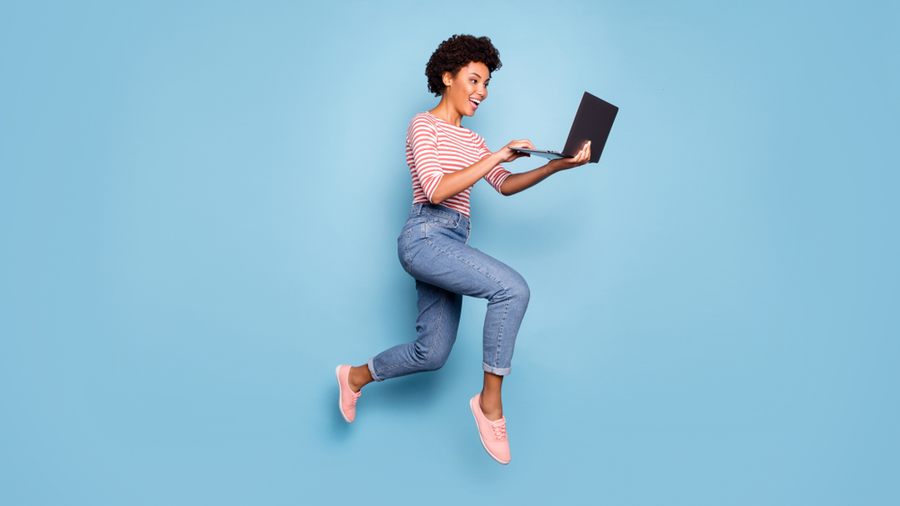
x=593, y=121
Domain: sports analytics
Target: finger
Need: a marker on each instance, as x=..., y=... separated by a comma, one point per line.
x=583, y=157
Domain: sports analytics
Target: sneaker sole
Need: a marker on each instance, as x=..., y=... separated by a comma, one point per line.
x=481, y=438
x=337, y=374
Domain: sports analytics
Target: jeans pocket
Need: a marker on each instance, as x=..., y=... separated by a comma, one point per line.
x=440, y=221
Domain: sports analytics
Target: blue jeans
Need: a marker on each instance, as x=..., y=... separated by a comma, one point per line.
x=433, y=249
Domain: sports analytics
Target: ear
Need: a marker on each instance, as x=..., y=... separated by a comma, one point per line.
x=447, y=78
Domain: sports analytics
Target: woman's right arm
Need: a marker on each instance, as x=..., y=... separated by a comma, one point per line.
x=456, y=182
x=439, y=186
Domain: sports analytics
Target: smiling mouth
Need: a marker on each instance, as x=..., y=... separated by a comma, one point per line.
x=475, y=103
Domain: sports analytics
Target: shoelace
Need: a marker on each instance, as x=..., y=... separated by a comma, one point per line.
x=354, y=398
x=499, y=431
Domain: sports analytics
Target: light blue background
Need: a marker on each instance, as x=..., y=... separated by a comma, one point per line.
x=198, y=213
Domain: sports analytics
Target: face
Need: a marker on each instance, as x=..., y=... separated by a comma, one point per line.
x=468, y=88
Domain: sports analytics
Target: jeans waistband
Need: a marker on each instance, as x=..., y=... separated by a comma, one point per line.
x=418, y=209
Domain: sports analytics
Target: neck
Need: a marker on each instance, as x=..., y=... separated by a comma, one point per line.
x=446, y=112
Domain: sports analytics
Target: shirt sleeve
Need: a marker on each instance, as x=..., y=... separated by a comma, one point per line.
x=498, y=174
x=422, y=138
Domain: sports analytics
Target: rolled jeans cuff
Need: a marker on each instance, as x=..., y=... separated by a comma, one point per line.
x=493, y=370
x=372, y=369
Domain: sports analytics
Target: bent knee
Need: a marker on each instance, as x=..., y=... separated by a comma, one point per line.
x=433, y=363
x=430, y=359
x=519, y=290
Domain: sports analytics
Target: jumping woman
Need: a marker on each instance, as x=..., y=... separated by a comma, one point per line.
x=445, y=160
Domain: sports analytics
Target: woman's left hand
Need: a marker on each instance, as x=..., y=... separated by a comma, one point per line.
x=583, y=157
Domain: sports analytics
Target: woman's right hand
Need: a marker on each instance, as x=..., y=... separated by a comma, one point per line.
x=508, y=155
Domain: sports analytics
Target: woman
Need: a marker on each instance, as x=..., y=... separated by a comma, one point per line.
x=445, y=160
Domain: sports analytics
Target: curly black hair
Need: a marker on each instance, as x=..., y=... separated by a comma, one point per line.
x=454, y=54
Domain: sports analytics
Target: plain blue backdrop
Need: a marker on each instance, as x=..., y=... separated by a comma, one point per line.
x=199, y=203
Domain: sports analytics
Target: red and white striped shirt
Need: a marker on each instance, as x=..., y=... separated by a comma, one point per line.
x=434, y=148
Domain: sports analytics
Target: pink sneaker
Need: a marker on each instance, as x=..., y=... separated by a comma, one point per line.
x=492, y=434
x=347, y=400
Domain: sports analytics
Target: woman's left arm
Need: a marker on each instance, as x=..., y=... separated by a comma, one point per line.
x=515, y=183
